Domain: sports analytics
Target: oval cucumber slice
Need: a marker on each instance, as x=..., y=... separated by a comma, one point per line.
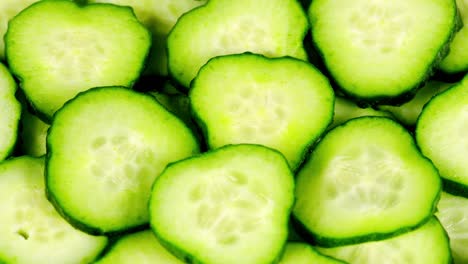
x=59, y=48
x=282, y=103
x=105, y=148
x=441, y=136
x=381, y=51
x=229, y=205
x=365, y=180
x=31, y=231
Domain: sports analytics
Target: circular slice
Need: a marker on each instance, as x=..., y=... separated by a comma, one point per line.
x=230, y=205
x=105, y=148
x=31, y=230
x=365, y=180
x=282, y=103
x=441, y=135
x=59, y=48
x=274, y=28
x=380, y=50
x=10, y=113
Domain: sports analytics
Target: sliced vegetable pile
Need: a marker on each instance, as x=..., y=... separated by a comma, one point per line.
x=218, y=131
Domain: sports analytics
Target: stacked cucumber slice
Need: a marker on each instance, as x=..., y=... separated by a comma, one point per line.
x=218, y=131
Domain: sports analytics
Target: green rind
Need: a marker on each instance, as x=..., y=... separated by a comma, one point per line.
x=316, y=238
x=295, y=161
x=303, y=253
x=405, y=95
x=30, y=82
x=220, y=11
x=178, y=250
x=86, y=227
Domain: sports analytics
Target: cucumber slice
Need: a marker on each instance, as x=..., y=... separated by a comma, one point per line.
x=453, y=214
x=365, y=180
x=457, y=59
x=409, y=112
x=249, y=98
x=10, y=113
x=441, y=136
x=159, y=17
x=302, y=253
x=379, y=50
x=105, y=148
x=273, y=28
x=139, y=247
x=345, y=110
x=31, y=230
x=230, y=205
x=58, y=49
x=428, y=244
x=33, y=134
x=9, y=9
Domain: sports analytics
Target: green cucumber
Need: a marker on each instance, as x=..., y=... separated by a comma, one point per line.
x=429, y=244
x=104, y=150
x=33, y=134
x=31, y=231
x=365, y=180
x=441, y=136
x=452, y=212
x=273, y=28
x=138, y=247
x=10, y=113
x=248, y=98
x=382, y=51
x=229, y=205
x=57, y=48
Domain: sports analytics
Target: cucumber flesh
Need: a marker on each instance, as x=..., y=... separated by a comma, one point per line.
x=105, y=148
x=429, y=244
x=302, y=253
x=248, y=98
x=441, y=136
x=139, y=247
x=365, y=180
x=380, y=51
x=59, y=48
x=452, y=212
x=31, y=231
x=274, y=28
x=230, y=205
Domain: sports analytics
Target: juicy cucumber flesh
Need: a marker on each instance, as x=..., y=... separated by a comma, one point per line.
x=10, y=113
x=273, y=28
x=249, y=98
x=230, y=205
x=457, y=59
x=380, y=50
x=58, y=49
x=453, y=214
x=139, y=247
x=441, y=136
x=427, y=244
x=31, y=231
x=365, y=180
x=105, y=148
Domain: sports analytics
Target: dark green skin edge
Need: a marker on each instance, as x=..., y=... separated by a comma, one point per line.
x=205, y=131
x=178, y=251
x=92, y=230
x=82, y=5
x=323, y=241
x=455, y=188
x=409, y=93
